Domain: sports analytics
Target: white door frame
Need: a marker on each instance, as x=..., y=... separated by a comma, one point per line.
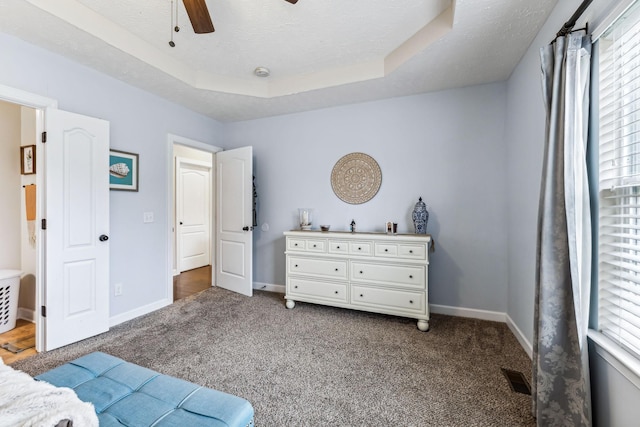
x=40, y=104
x=176, y=139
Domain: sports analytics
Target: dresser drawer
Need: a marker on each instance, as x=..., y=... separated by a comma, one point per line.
x=297, y=286
x=407, y=276
x=401, y=250
x=412, y=251
x=317, y=245
x=361, y=248
x=389, y=299
x=307, y=245
x=386, y=249
x=328, y=268
x=338, y=247
x=296, y=244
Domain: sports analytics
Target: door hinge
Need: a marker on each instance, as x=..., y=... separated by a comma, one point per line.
x=44, y=137
x=43, y=311
x=44, y=223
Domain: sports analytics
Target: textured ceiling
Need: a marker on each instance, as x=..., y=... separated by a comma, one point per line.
x=321, y=53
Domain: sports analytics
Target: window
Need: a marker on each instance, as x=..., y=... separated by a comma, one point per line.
x=619, y=176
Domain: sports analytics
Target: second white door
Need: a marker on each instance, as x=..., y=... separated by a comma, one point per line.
x=193, y=213
x=234, y=207
x=76, y=247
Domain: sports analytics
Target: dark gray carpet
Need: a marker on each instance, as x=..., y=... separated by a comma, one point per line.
x=323, y=366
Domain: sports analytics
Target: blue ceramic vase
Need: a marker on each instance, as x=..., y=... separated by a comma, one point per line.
x=420, y=217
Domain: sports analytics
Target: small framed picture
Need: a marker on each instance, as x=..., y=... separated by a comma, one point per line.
x=28, y=160
x=389, y=227
x=123, y=171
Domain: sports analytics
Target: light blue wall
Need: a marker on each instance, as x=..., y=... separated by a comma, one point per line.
x=447, y=147
x=140, y=123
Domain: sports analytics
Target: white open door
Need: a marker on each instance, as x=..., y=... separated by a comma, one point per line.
x=76, y=273
x=234, y=209
x=193, y=213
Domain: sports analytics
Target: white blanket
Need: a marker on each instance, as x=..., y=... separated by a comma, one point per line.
x=27, y=402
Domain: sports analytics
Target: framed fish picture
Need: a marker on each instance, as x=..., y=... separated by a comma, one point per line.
x=123, y=171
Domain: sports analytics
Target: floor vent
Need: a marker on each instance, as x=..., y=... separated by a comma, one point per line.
x=517, y=381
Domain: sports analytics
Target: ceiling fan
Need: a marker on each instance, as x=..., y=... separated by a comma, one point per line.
x=200, y=17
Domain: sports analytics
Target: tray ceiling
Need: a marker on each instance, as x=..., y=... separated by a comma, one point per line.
x=320, y=53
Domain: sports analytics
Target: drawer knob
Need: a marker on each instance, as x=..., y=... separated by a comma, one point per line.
x=336, y=269
x=296, y=265
x=336, y=292
x=295, y=244
x=410, y=276
x=338, y=247
x=410, y=251
x=410, y=301
x=361, y=295
x=360, y=271
x=315, y=246
x=295, y=287
x=386, y=250
x=359, y=249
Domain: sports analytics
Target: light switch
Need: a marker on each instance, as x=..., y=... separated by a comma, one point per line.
x=147, y=217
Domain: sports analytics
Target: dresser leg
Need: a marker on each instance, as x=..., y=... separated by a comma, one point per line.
x=423, y=325
x=290, y=303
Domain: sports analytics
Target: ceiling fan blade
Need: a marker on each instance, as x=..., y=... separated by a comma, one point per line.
x=293, y=1
x=199, y=16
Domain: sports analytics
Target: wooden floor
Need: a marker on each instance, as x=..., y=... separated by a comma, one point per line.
x=23, y=333
x=191, y=282
x=185, y=284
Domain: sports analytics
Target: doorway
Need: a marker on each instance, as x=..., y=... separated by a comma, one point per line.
x=192, y=213
x=17, y=227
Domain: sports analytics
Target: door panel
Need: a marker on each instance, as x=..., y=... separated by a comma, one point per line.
x=234, y=207
x=76, y=284
x=232, y=254
x=81, y=298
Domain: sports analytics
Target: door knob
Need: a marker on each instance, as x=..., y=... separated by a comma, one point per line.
x=247, y=228
x=103, y=238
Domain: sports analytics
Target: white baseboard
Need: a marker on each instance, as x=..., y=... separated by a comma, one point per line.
x=141, y=311
x=494, y=316
x=261, y=286
x=524, y=342
x=26, y=314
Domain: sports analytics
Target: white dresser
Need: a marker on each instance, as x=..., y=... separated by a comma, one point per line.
x=382, y=273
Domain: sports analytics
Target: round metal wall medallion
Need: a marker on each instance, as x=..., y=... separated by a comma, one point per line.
x=356, y=178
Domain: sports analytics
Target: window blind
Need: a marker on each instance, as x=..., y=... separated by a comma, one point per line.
x=619, y=178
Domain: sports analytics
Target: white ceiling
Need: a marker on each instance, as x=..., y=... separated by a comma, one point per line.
x=321, y=53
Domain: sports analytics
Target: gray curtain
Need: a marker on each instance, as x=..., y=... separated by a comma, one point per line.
x=561, y=395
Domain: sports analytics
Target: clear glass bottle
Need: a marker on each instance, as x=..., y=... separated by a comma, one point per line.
x=306, y=218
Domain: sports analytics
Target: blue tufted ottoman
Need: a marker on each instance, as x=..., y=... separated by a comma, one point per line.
x=125, y=394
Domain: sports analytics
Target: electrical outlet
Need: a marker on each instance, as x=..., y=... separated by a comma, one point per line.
x=118, y=289
x=147, y=217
